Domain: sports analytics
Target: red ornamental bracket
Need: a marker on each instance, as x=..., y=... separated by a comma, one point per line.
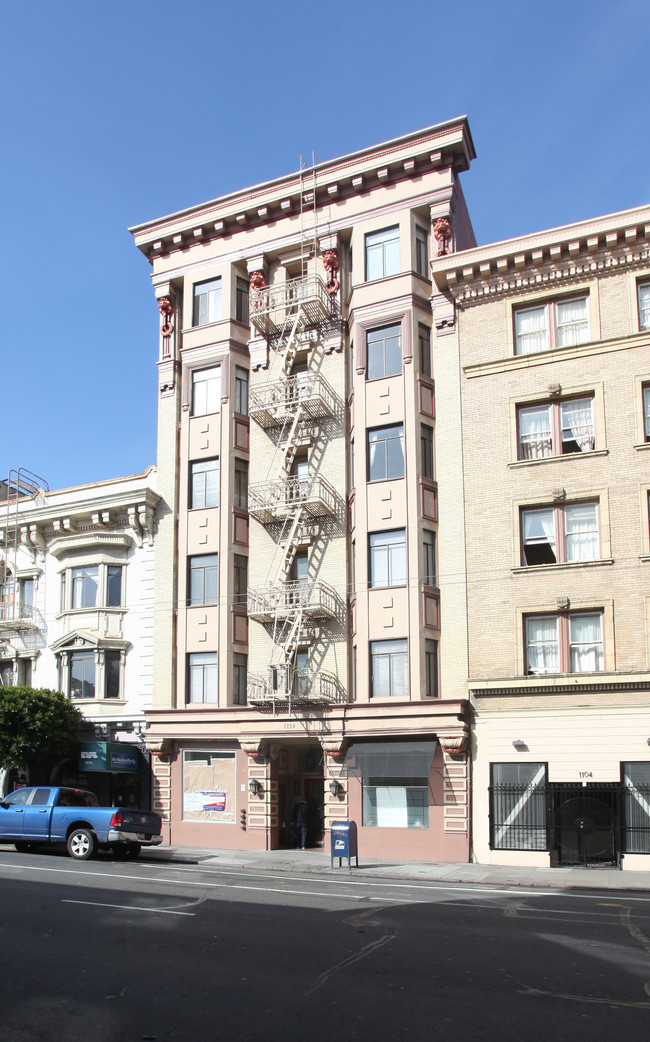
x=257, y=280
x=166, y=309
x=442, y=235
x=331, y=265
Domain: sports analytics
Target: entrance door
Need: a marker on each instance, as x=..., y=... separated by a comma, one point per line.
x=586, y=823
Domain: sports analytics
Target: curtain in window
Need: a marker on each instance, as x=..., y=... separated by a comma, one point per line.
x=646, y=402
x=644, y=306
x=578, y=424
x=539, y=527
x=586, y=643
x=531, y=331
x=542, y=644
x=571, y=322
x=581, y=532
x=535, y=432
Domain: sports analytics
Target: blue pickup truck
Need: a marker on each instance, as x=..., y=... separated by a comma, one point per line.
x=38, y=815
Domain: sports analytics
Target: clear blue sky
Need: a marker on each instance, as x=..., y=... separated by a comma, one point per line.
x=115, y=113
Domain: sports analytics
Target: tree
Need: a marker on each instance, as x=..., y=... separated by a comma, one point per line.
x=37, y=727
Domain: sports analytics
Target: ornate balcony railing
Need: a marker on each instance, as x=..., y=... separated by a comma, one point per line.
x=275, y=500
x=286, y=685
x=272, y=307
x=272, y=403
x=316, y=600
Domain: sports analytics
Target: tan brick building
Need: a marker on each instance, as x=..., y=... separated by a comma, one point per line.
x=542, y=367
x=297, y=610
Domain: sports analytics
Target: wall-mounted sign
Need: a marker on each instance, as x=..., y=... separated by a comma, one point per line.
x=117, y=757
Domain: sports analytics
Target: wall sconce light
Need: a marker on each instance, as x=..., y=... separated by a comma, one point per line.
x=255, y=786
x=334, y=787
x=519, y=743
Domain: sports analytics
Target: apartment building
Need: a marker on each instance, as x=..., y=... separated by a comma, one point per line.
x=76, y=595
x=297, y=610
x=542, y=366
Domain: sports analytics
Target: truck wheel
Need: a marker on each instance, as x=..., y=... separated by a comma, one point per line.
x=81, y=844
x=126, y=851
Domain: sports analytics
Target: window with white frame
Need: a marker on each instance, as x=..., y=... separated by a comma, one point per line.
x=81, y=666
x=204, y=483
x=207, y=302
x=556, y=428
x=241, y=390
x=387, y=558
x=560, y=534
x=206, y=391
x=202, y=677
x=204, y=579
x=383, y=352
x=421, y=251
x=241, y=301
x=92, y=586
x=382, y=253
x=559, y=323
x=396, y=803
x=643, y=292
x=85, y=581
x=569, y=642
x=386, y=452
x=388, y=669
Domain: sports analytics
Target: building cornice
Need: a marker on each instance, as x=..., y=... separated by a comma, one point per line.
x=403, y=158
x=575, y=684
x=559, y=256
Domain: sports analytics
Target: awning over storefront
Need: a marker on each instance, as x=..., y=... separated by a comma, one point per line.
x=390, y=759
x=108, y=756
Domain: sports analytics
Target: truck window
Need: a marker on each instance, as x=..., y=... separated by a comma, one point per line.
x=76, y=798
x=41, y=798
x=18, y=798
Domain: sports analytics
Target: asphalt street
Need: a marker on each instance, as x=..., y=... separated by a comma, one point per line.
x=127, y=951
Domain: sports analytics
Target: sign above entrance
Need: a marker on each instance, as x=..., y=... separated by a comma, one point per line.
x=117, y=757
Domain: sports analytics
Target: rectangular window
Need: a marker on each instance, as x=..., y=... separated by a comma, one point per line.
x=209, y=786
x=388, y=669
x=82, y=674
x=112, y=674
x=426, y=448
x=555, y=535
x=241, y=390
x=646, y=412
x=636, y=807
x=421, y=251
x=84, y=587
x=240, y=579
x=239, y=671
x=398, y=803
x=207, y=302
x=241, y=484
x=429, y=557
x=204, y=484
x=387, y=558
x=556, y=428
x=241, y=303
x=424, y=343
x=382, y=254
x=386, y=452
x=644, y=305
x=204, y=579
x=518, y=798
x=26, y=597
x=202, y=678
x=569, y=642
x=206, y=391
x=560, y=323
x=431, y=668
x=383, y=352
x=114, y=585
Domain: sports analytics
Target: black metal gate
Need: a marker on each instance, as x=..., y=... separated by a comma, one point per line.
x=586, y=823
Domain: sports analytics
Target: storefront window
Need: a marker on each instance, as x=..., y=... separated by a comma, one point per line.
x=209, y=786
x=399, y=803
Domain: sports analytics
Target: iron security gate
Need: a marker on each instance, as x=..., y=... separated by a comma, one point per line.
x=586, y=823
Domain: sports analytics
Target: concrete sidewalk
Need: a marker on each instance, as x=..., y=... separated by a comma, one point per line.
x=318, y=861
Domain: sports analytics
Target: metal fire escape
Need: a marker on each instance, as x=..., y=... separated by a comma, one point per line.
x=16, y=615
x=287, y=407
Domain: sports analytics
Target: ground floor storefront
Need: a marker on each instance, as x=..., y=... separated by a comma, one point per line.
x=557, y=785
x=246, y=780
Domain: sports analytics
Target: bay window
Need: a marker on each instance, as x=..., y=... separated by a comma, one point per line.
x=206, y=302
x=204, y=484
x=206, y=391
x=202, y=677
x=388, y=669
x=382, y=253
x=383, y=352
x=387, y=558
x=386, y=452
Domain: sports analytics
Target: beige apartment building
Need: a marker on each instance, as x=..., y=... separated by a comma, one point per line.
x=297, y=608
x=542, y=367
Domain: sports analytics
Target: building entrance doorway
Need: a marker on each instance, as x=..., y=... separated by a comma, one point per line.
x=586, y=823
x=301, y=776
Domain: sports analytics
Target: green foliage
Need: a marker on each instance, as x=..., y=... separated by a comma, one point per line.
x=37, y=727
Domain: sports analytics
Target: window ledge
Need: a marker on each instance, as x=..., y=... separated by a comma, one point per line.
x=560, y=566
x=554, y=459
x=98, y=701
x=643, y=447
x=113, y=610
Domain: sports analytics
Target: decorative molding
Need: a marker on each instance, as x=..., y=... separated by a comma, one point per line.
x=442, y=235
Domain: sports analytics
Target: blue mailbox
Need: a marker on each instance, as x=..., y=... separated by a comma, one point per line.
x=344, y=842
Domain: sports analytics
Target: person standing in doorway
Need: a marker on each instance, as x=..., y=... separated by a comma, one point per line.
x=301, y=823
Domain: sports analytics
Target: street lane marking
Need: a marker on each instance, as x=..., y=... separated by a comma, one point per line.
x=128, y=908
